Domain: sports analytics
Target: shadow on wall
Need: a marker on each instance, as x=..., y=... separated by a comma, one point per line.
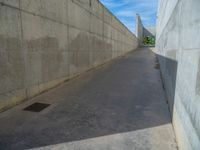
x=168, y=69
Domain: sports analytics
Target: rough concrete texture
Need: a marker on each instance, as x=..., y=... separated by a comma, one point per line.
x=45, y=42
x=119, y=106
x=178, y=50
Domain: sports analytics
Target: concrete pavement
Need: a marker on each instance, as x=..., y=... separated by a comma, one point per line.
x=118, y=106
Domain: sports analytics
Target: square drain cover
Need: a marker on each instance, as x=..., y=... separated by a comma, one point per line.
x=36, y=107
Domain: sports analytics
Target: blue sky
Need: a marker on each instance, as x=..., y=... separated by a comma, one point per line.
x=126, y=10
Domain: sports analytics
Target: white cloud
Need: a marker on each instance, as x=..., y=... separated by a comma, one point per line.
x=125, y=10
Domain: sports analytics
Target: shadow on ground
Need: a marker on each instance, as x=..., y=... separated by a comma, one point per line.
x=124, y=95
x=168, y=73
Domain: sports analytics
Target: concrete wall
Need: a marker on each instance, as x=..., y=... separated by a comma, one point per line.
x=149, y=31
x=45, y=42
x=178, y=46
x=139, y=28
x=142, y=31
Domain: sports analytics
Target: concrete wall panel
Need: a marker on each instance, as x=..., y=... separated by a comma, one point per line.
x=190, y=24
x=179, y=54
x=12, y=71
x=13, y=3
x=107, y=29
x=45, y=42
x=78, y=16
x=96, y=25
x=55, y=10
x=107, y=16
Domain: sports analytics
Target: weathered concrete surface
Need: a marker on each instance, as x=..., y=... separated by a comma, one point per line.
x=179, y=54
x=45, y=42
x=121, y=105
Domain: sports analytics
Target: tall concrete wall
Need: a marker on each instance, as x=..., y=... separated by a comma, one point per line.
x=139, y=28
x=178, y=46
x=142, y=31
x=45, y=42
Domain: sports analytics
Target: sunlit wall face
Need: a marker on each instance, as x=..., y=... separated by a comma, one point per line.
x=178, y=47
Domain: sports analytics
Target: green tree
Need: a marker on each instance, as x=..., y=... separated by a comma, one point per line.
x=149, y=40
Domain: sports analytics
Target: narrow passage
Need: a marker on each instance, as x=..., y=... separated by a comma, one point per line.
x=120, y=106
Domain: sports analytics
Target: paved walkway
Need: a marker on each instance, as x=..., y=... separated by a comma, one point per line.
x=119, y=106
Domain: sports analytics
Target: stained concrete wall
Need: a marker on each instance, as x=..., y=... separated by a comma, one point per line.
x=45, y=42
x=178, y=48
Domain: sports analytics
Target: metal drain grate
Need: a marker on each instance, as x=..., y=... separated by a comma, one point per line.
x=36, y=107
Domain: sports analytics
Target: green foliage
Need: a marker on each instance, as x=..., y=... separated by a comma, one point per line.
x=149, y=40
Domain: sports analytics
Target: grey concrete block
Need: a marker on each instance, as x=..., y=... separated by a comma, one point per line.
x=96, y=25
x=11, y=53
x=79, y=47
x=12, y=71
x=78, y=16
x=55, y=10
x=73, y=69
x=179, y=126
x=114, y=22
x=83, y=3
x=54, y=66
x=83, y=60
x=95, y=7
x=179, y=55
x=107, y=30
x=35, y=28
x=107, y=16
x=13, y=3
x=101, y=11
x=78, y=40
x=189, y=21
x=114, y=34
x=163, y=16
x=47, y=42
x=172, y=32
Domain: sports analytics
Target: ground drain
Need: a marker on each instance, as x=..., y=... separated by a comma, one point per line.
x=36, y=107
